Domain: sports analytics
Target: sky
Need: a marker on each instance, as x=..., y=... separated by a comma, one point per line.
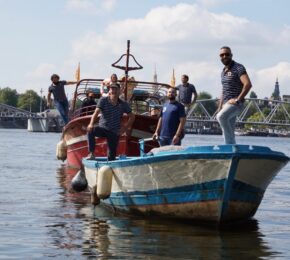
x=42, y=37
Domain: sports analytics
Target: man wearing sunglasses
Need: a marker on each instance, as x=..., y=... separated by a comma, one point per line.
x=235, y=86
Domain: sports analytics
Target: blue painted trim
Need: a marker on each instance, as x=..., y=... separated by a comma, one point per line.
x=222, y=152
x=228, y=184
x=210, y=191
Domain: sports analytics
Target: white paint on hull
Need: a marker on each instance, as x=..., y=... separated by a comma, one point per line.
x=160, y=175
x=177, y=173
x=258, y=172
x=77, y=139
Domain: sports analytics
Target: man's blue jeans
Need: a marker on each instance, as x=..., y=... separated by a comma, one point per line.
x=227, y=120
x=62, y=107
x=167, y=141
x=112, y=141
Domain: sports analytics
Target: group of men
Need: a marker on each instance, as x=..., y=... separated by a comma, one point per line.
x=170, y=128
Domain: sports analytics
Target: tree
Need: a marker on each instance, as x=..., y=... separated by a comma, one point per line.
x=8, y=96
x=210, y=105
x=253, y=94
x=29, y=101
x=204, y=95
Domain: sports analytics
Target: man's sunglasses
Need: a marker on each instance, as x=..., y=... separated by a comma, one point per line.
x=227, y=54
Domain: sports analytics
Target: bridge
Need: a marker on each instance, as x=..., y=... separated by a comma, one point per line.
x=7, y=111
x=269, y=113
x=47, y=121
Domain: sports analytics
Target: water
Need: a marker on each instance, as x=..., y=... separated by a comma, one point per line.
x=42, y=218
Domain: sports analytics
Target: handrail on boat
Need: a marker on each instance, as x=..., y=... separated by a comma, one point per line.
x=152, y=93
x=142, y=145
x=87, y=84
x=154, y=89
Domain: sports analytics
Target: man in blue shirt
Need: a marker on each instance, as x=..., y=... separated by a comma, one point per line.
x=60, y=100
x=186, y=91
x=172, y=119
x=112, y=109
x=236, y=85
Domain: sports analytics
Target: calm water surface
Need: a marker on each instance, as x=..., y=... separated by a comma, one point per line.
x=42, y=218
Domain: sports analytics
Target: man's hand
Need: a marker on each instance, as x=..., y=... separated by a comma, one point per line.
x=90, y=128
x=175, y=139
x=125, y=131
x=155, y=136
x=233, y=101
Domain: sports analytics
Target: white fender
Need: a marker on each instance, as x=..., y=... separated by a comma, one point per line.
x=104, y=182
x=61, y=150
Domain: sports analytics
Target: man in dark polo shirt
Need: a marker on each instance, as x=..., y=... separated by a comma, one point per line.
x=112, y=109
x=186, y=90
x=60, y=100
x=172, y=119
x=236, y=85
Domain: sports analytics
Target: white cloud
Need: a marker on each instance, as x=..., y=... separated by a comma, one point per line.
x=108, y=4
x=264, y=79
x=204, y=75
x=42, y=70
x=284, y=37
x=213, y=3
x=188, y=38
x=80, y=5
x=90, y=6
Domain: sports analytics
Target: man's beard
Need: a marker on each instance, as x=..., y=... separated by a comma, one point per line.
x=171, y=98
x=226, y=62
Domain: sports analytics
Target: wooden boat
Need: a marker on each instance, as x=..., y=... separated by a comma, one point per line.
x=206, y=183
x=146, y=98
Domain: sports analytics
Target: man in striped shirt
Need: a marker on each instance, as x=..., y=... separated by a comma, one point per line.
x=236, y=85
x=112, y=109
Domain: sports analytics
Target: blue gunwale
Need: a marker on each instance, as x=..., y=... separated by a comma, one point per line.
x=222, y=152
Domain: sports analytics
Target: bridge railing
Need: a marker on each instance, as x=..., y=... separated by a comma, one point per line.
x=206, y=111
x=7, y=111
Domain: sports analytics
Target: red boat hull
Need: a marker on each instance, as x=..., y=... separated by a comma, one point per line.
x=75, y=136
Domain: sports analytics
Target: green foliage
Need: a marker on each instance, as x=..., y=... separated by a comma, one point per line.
x=287, y=106
x=253, y=95
x=210, y=105
x=251, y=110
x=256, y=117
x=29, y=101
x=204, y=95
x=8, y=96
x=266, y=111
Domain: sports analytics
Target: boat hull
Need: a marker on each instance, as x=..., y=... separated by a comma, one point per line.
x=75, y=136
x=198, y=183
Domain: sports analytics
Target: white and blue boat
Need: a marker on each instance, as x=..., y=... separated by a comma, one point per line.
x=205, y=183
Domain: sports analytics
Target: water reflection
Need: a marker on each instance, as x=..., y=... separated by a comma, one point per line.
x=79, y=229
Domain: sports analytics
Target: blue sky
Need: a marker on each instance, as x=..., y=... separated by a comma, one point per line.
x=39, y=38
